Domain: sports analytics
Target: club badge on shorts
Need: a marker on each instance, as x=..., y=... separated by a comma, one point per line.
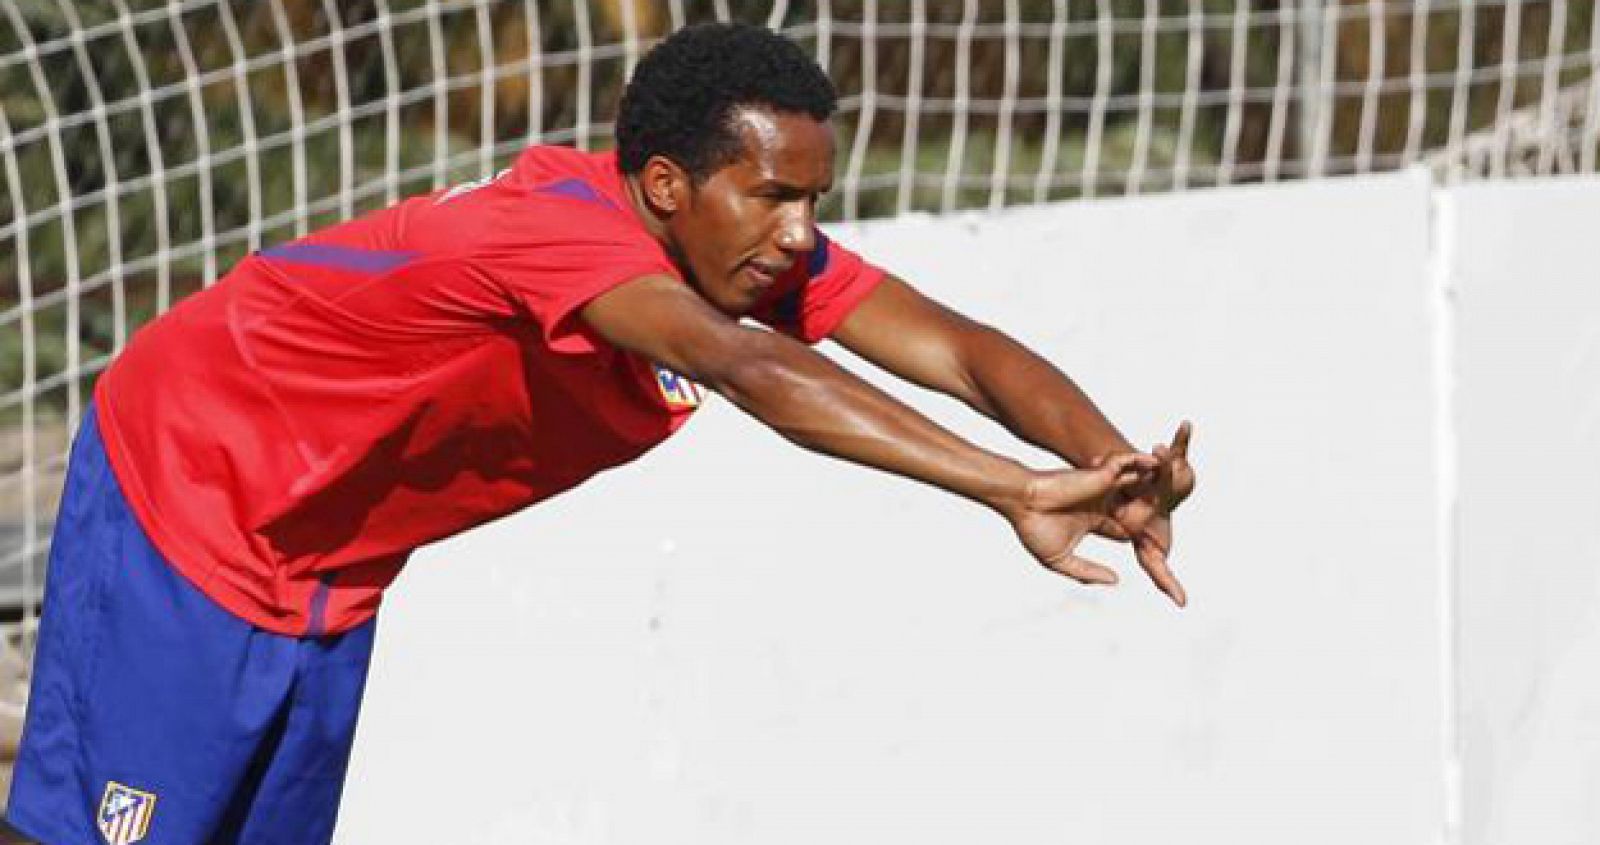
x=124, y=816
x=677, y=390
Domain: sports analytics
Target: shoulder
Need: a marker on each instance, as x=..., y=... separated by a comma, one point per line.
x=549, y=199
x=567, y=190
x=566, y=173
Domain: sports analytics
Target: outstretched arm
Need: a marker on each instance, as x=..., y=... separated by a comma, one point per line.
x=920, y=340
x=818, y=405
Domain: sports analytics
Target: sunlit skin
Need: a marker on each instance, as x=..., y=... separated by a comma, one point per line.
x=738, y=231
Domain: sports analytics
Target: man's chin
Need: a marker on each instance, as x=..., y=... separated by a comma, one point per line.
x=739, y=304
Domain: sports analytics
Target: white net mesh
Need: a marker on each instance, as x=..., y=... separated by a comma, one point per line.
x=146, y=146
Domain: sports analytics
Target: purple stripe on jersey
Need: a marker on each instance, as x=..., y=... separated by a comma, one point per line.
x=336, y=257
x=576, y=189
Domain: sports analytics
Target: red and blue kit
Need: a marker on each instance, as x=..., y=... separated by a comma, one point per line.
x=283, y=440
x=290, y=435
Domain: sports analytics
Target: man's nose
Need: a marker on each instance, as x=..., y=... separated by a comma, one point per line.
x=798, y=233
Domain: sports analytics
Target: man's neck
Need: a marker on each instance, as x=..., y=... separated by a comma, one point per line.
x=653, y=224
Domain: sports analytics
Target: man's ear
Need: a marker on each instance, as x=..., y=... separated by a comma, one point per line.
x=665, y=185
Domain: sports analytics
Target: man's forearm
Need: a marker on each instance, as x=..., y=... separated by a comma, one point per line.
x=820, y=406
x=1035, y=400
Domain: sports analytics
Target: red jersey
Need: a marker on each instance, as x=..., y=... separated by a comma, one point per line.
x=288, y=436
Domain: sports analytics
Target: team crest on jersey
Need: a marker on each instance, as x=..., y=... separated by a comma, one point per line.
x=677, y=390
x=124, y=816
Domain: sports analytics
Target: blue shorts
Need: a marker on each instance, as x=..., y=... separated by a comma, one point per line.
x=156, y=715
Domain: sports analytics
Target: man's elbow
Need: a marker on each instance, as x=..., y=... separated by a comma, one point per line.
x=984, y=356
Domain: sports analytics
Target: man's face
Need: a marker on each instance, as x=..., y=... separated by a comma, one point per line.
x=750, y=221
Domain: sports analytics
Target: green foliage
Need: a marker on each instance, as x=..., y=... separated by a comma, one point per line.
x=213, y=143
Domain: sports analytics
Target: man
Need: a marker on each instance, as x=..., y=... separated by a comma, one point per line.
x=261, y=461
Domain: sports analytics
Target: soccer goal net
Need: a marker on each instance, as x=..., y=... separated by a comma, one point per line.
x=147, y=146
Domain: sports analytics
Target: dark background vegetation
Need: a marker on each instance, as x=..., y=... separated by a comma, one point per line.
x=109, y=219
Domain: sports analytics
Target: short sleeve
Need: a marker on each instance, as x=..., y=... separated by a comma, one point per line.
x=828, y=285
x=579, y=256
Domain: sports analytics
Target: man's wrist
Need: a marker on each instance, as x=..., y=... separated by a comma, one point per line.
x=1011, y=490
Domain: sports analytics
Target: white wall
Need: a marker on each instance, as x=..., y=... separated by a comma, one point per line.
x=735, y=642
x=1527, y=280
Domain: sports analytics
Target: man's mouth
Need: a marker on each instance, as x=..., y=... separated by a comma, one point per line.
x=763, y=273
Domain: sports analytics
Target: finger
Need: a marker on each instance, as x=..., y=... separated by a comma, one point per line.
x=1180, y=441
x=1130, y=480
x=1131, y=512
x=1154, y=562
x=1165, y=471
x=1074, y=488
x=1083, y=570
x=1134, y=463
x=1175, y=478
x=1112, y=530
x=1158, y=532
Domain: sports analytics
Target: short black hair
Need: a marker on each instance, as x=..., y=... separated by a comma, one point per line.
x=681, y=99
